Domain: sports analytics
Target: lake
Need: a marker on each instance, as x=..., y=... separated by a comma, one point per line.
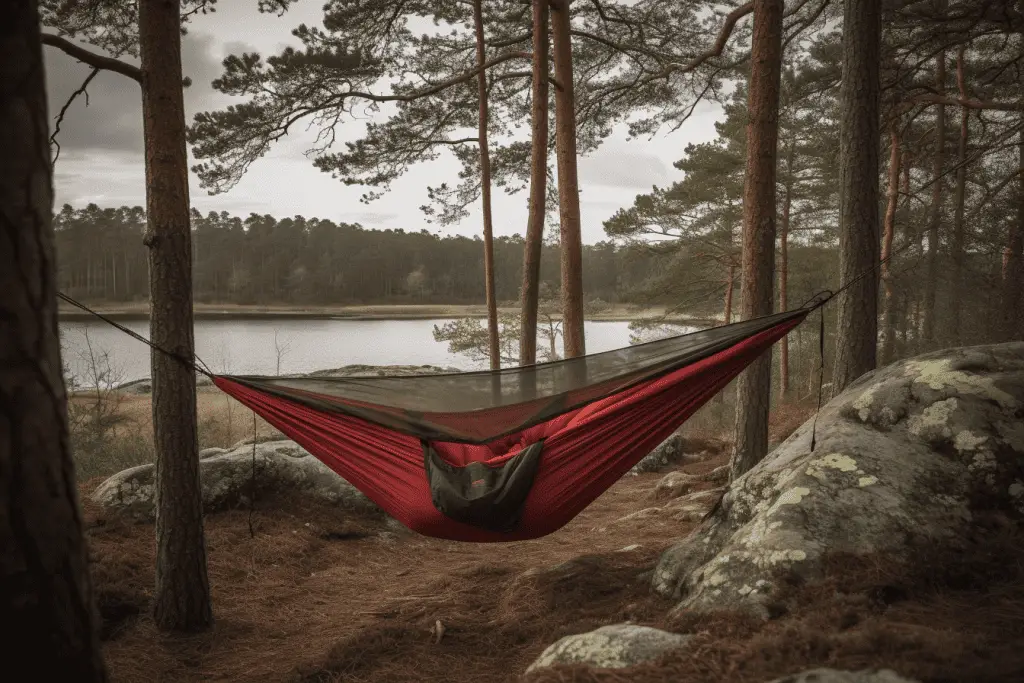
x=247, y=346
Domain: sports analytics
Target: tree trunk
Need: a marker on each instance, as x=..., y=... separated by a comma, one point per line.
x=538, y=186
x=46, y=599
x=182, y=598
x=494, y=349
x=888, y=352
x=753, y=389
x=571, y=243
x=956, y=246
x=729, y=286
x=787, y=204
x=1012, y=327
x=907, y=309
x=856, y=350
x=935, y=220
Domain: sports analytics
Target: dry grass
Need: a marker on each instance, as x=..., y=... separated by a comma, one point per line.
x=140, y=309
x=222, y=422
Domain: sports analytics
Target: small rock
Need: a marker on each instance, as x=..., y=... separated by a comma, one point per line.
x=674, y=484
x=835, y=676
x=669, y=452
x=719, y=475
x=611, y=647
x=640, y=514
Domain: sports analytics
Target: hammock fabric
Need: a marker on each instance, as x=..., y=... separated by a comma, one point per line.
x=506, y=455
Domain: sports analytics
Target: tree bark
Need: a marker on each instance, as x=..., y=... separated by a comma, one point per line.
x=787, y=204
x=888, y=352
x=935, y=220
x=46, y=598
x=753, y=389
x=956, y=246
x=910, y=300
x=729, y=286
x=182, y=598
x=538, y=186
x=494, y=349
x=856, y=350
x=1012, y=323
x=571, y=242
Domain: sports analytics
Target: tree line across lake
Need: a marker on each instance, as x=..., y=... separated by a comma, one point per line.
x=261, y=259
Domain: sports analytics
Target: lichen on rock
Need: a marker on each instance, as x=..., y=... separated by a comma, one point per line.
x=611, y=647
x=900, y=457
x=227, y=479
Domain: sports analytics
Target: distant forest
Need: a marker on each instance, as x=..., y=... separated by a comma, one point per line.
x=265, y=260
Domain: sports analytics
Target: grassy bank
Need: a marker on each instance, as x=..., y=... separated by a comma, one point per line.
x=140, y=310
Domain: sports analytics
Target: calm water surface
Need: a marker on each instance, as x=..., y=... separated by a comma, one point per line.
x=236, y=346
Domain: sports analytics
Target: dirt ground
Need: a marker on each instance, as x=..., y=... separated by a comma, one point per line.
x=321, y=595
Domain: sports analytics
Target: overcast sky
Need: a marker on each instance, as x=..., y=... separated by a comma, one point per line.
x=101, y=145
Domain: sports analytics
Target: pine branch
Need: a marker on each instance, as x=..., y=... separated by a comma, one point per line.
x=63, y=110
x=92, y=59
x=437, y=87
x=966, y=103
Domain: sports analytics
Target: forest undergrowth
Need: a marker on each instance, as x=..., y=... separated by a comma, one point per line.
x=319, y=594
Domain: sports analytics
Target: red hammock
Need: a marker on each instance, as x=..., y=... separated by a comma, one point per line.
x=539, y=474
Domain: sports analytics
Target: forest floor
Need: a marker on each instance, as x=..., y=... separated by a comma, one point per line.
x=318, y=594
x=140, y=309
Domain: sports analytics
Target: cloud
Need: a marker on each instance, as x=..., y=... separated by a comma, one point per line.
x=369, y=218
x=112, y=119
x=616, y=165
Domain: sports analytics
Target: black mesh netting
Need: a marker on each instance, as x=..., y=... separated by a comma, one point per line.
x=481, y=407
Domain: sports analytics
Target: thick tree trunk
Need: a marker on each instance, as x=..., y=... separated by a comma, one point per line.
x=538, y=186
x=182, y=598
x=856, y=350
x=956, y=247
x=46, y=603
x=753, y=389
x=1012, y=323
x=888, y=351
x=494, y=349
x=787, y=204
x=571, y=242
x=935, y=220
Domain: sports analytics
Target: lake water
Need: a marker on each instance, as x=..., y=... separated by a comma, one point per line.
x=237, y=346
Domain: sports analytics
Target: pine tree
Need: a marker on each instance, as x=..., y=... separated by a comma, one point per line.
x=858, y=213
x=754, y=385
x=46, y=597
x=529, y=299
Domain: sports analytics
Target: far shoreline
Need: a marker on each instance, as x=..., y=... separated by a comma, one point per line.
x=205, y=311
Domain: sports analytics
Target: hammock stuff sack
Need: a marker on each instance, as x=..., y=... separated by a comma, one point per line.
x=512, y=454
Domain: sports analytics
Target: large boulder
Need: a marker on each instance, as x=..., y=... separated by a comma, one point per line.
x=611, y=647
x=903, y=458
x=835, y=676
x=227, y=480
